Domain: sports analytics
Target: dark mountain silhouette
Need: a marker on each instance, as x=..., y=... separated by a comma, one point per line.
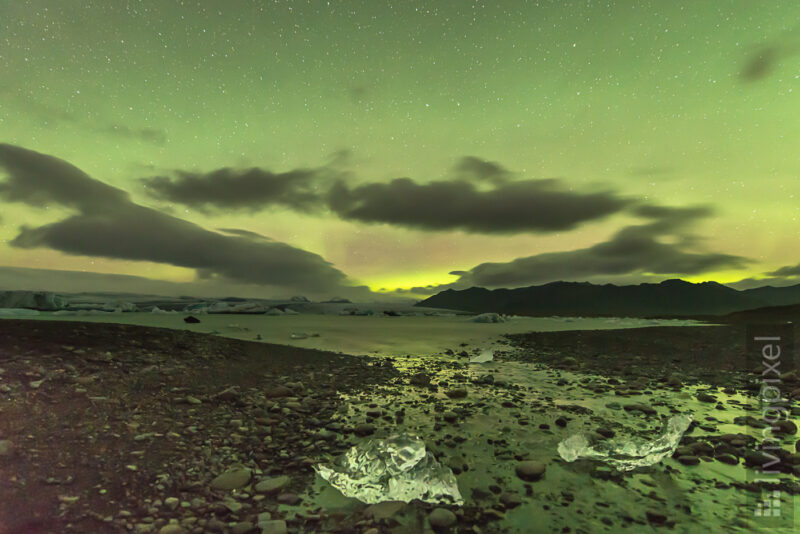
x=770, y=315
x=668, y=298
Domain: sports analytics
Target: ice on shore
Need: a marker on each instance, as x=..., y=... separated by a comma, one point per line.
x=489, y=318
x=398, y=468
x=35, y=300
x=486, y=355
x=246, y=307
x=627, y=454
x=17, y=312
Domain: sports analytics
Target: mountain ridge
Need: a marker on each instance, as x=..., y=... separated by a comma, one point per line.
x=672, y=297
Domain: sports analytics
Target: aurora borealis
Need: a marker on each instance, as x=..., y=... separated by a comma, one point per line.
x=400, y=145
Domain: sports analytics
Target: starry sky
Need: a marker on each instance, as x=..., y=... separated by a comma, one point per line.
x=362, y=147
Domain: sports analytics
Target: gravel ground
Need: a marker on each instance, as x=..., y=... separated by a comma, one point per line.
x=117, y=428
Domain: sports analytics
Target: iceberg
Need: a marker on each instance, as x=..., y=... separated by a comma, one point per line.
x=247, y=307
x=36, y=300
x=627, y=454
x=18, y=312
x=489, y=318
x=398, y=468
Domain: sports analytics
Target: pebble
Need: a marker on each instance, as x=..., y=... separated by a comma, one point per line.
x=784, y=427
x=689, y=459
x=289, y=498
x=530, y=470
x=442, y=518
x=272, y=485
x=364, y=429
x=510, y=500
x=233, y=479
x=457, y=393
x=728, y=459
x=243, y=527
x=5, y=447
x=172, y=528
x=275, y=526
x=654, y=516
x=705, y=397
x=171, y=503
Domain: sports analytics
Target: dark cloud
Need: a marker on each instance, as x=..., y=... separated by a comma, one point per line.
x=38, y=179
x=787, y=271
x=525, y=205
x=459, y=203
x=251, y=189
x=110, y=225
x=761, y=63
x=638, y=250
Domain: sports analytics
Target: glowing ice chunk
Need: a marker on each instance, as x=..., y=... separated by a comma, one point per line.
x=627, y=454
x=486, y=356
x=398, y=468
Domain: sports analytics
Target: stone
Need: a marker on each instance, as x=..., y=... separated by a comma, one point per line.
x=384, y=510
x=278, y=391
x=272, y=485
x=171, y=503
x=728, y=459
x=688, y=459
x=191, y=319
x=605, y=432
x=705, y=397
x=232, y=479
x=291, y=499
x=243, y=527
x=5, y=447
x=457, y=393
x=530, y=470
x=784, y=427
x=364, y=429
x=442, y=518
x=172, y=528
x=274, y=526
x=510, y=500
x=656, y=517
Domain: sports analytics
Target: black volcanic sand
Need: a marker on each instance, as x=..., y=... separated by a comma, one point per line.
x=714, y=355
x=116, y=428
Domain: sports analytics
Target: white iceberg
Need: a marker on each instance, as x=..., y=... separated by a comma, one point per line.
x=486, y=356
x=237, y=307
x=489, y=318
x=18, y=312
x=627, y=454
x=398, y=468
x=36, y=300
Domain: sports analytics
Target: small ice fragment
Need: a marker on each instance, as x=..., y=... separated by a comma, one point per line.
x=398, y=468
x=486, y=356
x=627, y=454
x=298, y=335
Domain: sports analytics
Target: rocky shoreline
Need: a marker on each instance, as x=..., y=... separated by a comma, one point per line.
x=119, y=428
x=116, y=428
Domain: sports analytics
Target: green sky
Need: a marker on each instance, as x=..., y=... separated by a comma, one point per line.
x=674, y=104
